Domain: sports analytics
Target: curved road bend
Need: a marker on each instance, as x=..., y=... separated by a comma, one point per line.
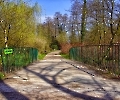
x=55, y=78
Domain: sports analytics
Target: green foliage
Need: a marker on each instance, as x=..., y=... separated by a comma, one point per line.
x=22, y=21
x=41, y=56
x=55, y=45
x=66, y=56
x=97, y=37
x=42, y=42
x=73, y=37
x=62, y=37
x=1, y=76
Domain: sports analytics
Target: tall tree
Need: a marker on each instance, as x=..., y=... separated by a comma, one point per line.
x=83, y=20
x=17, y=23
x=75, y=19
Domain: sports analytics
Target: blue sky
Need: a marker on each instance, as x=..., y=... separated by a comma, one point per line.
x=49, y=7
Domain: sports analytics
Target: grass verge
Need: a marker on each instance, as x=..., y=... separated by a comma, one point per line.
x=66, y=56
x=41, y=56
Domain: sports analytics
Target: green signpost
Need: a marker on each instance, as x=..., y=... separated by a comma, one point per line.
x=8, y=51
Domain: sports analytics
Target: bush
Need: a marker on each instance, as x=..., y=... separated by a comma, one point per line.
x=54, y=47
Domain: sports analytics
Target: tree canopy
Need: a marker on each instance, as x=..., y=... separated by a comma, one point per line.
x=89, y=22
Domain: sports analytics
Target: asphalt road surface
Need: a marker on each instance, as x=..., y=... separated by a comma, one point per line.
x=55, y=78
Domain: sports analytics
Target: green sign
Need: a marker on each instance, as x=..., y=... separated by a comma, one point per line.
x=8, y=51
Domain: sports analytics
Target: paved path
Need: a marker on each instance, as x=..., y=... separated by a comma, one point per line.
x=55, y=78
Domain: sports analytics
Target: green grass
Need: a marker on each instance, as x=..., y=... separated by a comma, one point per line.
x=66, y=56
x=1, y=76
x=41, y=56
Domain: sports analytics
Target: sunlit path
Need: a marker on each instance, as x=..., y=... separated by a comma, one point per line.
x=55, y=78
x=87, y=30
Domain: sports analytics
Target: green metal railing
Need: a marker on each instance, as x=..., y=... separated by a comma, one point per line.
x=12, y=59
x=103, y=57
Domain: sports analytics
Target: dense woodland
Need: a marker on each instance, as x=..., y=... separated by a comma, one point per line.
x=89, y=22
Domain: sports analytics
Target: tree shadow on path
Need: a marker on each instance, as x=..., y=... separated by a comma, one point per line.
x=10, y=93
x=61, y=88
